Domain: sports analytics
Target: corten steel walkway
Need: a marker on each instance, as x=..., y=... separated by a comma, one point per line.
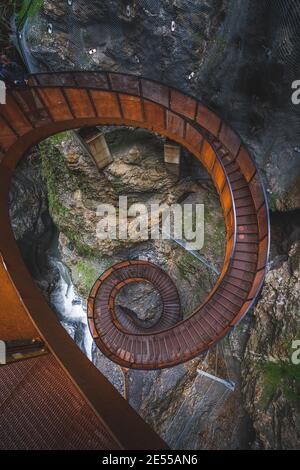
x=60, y=101
x=102, y=311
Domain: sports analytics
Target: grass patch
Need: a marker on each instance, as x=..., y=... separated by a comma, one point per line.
x=58, y=138
x=87, y=275
x=28, y=7
x=82, y=249
x=187, y=265
x=59, y=179
x=283, y=375
x=49, y=155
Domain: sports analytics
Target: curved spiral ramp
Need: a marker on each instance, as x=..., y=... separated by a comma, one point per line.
x=56, y=102
x=104, y=319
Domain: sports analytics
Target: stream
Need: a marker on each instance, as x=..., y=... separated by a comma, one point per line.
x=70, y=308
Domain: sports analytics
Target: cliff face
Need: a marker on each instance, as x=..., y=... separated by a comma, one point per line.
x=33, y=227
x=240, y=57
x=76, y=188
x=163, y=398
x=271, y=380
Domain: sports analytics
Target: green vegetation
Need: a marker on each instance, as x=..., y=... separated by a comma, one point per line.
x=272, y=198
x=27, y=7
x=49, y=170
x=214, y=228
x=215, y=233
x=187, y=265
x=221, y=43
x=87, y=274
x=60, y=179
x=283, y=375
x=74, y=237
x=58, y=138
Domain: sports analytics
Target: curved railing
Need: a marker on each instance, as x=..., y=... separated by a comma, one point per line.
x=102, y=300
x=60, y=101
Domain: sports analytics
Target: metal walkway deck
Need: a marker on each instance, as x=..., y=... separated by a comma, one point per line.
x=60, y=101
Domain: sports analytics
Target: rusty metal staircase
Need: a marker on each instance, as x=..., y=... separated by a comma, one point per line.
x=54, y=102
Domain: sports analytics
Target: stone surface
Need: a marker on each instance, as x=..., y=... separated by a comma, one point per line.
x=32, y=225
x=228, y=53
x=76, y=188
x=271, y=380
x=142, y=301
x=191, y=411
x=240, y=57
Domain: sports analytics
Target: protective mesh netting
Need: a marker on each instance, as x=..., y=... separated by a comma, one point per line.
x=77, y=20
x=160, y=40
x=284, y=37
x=284, y=31
x=82, y=24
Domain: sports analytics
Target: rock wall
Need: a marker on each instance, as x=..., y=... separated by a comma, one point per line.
x=271, y=380
x=182, y=406
x=76, y=188
x=240, y=57
x=33, y=227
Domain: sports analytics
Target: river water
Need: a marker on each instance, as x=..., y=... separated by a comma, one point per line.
x=70, y=307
